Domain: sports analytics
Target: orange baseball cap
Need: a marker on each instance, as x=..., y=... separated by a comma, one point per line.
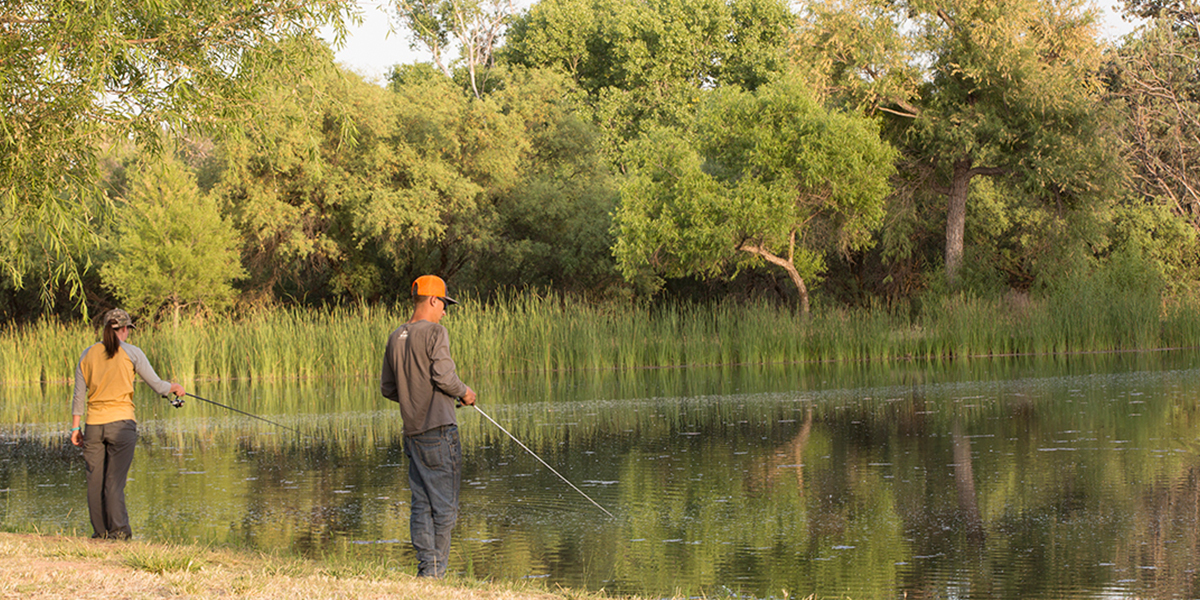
x=431, y=285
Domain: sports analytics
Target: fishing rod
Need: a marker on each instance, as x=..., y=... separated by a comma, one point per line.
x=177, y=402
x=531, y=452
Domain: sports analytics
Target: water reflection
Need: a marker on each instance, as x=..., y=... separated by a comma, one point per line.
x=1013, y=478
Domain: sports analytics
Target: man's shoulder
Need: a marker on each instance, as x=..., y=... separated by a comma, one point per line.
x=424, y=328
x=423, y=331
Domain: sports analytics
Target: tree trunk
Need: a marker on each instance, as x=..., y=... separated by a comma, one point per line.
x=956, y=213
x=787, y=266
x=956, y=218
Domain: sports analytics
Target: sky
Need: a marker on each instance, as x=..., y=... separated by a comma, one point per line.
x=372, y=48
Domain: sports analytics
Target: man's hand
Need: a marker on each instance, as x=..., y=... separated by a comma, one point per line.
x=469, y=398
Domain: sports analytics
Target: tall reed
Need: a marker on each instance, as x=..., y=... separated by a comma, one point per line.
x=37, y=352
x=545, y=333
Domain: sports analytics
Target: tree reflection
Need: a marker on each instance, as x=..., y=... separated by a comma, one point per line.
x=964, y=479
x=785, y=458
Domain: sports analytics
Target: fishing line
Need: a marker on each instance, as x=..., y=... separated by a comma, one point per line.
x=531, y=452
x=173, y=401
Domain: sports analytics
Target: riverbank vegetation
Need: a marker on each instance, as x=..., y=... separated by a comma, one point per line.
x=529, y=333
x=42, y=566
x=609, y=184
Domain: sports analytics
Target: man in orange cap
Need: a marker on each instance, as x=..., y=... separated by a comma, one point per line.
x=419, y=374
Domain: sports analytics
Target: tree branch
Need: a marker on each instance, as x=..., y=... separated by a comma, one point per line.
x=910, y=115
x=787, y=265
x=989, y=171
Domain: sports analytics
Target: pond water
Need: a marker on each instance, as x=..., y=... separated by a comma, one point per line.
x=1074, y=477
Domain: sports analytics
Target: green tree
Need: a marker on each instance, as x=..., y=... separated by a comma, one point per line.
x=645, y=63
x=290, y=179
x=628, y=45
x=553, y=226
x=456, y=154
x=768, y=176
x=173, y=250
x=73, y=74
x=347, y=185
x=997, y=88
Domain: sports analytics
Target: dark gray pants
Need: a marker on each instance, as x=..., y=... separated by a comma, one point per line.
x=108, y=452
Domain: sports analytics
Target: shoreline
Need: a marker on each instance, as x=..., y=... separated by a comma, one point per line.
x=55, y=566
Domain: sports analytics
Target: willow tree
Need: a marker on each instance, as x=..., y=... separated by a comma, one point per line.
x=73, y=74
x=767, y=176
x=289, y=179
x=349, y=186
x=969, y=88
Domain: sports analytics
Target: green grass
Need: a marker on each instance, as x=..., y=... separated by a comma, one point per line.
x=164, y=559
x=535, y=334
x=53, y=567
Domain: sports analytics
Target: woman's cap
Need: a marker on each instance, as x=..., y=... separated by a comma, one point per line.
x=431, y=285
x=118, y=318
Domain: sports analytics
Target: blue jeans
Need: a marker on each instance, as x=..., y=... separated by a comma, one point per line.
x=434, y=474
x=108, y=452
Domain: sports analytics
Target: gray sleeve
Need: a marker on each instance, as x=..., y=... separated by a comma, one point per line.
x=387, y=379
x=142, y=367
x=79, y=398
x=442, y=367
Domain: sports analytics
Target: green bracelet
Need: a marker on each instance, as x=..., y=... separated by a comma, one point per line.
x=75, y=429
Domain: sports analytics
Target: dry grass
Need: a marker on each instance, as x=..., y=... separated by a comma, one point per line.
x=35, y=566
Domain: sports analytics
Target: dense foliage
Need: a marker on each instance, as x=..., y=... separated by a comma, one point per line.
x=767, y=175
x=172, y=250
x=73, y=75
x=844, y=153
x=1005, y=89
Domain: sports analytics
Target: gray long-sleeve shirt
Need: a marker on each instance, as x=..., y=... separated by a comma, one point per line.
x=419, y=374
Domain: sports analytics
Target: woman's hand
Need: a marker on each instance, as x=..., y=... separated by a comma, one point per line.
x=77, y=430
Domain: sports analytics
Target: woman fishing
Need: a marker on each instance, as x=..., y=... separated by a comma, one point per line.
x=104, y=386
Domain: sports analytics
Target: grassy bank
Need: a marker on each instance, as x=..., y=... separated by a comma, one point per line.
x=34, y=566
x=529, y=333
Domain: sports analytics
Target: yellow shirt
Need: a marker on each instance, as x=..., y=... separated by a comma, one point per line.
x=107, y=384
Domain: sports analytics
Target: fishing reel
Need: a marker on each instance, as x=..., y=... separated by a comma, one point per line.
x=176, y=401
